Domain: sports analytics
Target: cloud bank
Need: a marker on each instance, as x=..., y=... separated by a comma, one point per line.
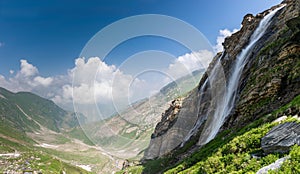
x=92, y=81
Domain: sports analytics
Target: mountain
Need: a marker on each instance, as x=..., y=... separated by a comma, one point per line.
x=127, y=134
x=35, y=132
x=27, y=112
x=219, y=126
x=36, y=136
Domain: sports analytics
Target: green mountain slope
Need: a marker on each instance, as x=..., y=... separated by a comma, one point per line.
x=29, y=125
x=27, y=112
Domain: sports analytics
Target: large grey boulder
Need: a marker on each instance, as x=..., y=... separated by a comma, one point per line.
x=281, y=138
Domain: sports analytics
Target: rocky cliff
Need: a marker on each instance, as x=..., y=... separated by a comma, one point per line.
x=268, y=79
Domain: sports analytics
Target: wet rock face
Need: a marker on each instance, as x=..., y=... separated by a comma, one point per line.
x=272, y=76
x=281, y=138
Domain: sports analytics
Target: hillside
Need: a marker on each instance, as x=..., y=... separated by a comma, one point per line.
x=35, y=132
x=28, y=112
x=219, y=127
x=35, y=135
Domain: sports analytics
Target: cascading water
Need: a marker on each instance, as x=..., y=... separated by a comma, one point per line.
x=224, y=96
x=217, y=90
x=226, y=103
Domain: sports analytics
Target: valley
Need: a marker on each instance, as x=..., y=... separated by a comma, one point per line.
x=241, y=114
x=73, y=147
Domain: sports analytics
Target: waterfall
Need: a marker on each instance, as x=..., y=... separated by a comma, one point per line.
x=199, y=121
x=216, y=76
x=226, y=103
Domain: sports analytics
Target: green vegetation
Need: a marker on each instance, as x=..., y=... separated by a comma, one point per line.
x=291, y=165
x=60, y=139
x=31, y=159
x=79, y=134
x=182, y=86
x=21, y=115
x=231, y=151
x=25, y=112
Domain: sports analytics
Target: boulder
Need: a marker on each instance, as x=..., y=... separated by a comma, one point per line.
x=281, y=138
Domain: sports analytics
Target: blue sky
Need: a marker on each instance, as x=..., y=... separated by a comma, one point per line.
x=51, y=34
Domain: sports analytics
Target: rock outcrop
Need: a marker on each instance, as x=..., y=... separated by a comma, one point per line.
x=270, y=79
x=281, y=138
x=168, y=118
x=165, y=140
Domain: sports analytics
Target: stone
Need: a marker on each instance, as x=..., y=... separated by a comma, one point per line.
x=281, y=138
x=280, y=119
x=276, y=165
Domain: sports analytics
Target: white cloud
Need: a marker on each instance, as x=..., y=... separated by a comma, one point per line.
x=189, y=62
x=91, y=81
x=27, y=69
x=26, y=79
x=11, y=71
x=95, y=81
x=43, y=81
x=220, y=39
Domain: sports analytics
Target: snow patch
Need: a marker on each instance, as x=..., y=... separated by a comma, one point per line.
x=1, y=96
x=10, y=155
x=47, y=145
x=85, y=167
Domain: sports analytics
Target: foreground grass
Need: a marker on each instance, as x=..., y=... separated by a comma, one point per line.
x=231, y=152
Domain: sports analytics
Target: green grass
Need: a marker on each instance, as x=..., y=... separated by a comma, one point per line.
x=60, y=139
x=292, y=165
x=79, y=134
x=33, y=159
x=230, y=152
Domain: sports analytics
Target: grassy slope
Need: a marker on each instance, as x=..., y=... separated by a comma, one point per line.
x=14, y=125
x=43, y=111
x=31, y=158
x=230, y=152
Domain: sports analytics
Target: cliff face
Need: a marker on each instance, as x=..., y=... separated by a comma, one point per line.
x=269, y=78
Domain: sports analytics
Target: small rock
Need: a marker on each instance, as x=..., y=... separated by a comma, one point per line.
x=276, y=165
